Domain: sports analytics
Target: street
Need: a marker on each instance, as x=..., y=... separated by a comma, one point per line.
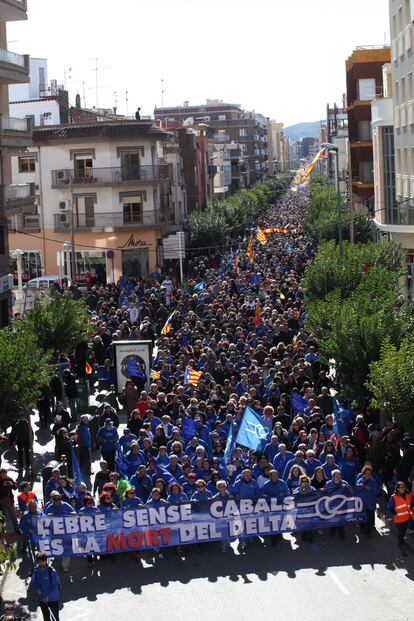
x=359, y=578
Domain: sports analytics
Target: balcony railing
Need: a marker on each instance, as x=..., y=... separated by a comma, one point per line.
x=92, y=176
x=221, y=138
x=18, y=192
x=24, y=222
x=11, y=124
x=11, y=58
x=116, y=219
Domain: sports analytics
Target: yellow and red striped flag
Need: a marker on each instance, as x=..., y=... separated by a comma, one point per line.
x=191, y=376
x=168, y=325
x=249, y=251
x=311, y=165
x=155, y=374
x=236, y=262
x=261, y=237
x=88, y=368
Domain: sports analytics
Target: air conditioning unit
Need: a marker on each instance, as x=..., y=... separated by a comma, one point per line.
x=61, y=175
x=64, y=220
x=64, y=205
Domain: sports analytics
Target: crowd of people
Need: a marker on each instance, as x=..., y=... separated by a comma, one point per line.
x=241, y=325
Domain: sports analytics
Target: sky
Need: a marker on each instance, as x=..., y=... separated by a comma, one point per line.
x=283, y=58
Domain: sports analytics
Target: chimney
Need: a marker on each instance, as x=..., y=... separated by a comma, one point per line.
x=78, y=101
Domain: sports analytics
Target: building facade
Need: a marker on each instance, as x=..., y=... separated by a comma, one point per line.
x=15, y=134
x=364, y=84
x=110, y=184
x=232, y=125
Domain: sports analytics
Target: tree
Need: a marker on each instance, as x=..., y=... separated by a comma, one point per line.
x=24, y=369
x=59, y=326
x=8, y=552
x=391, y=380
x=328, y=272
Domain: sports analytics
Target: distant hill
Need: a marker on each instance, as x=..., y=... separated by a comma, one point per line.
x=302, y=130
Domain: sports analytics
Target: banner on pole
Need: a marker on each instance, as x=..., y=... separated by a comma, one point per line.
x=148, y=527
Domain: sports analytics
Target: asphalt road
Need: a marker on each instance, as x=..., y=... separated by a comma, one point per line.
x=329, y=579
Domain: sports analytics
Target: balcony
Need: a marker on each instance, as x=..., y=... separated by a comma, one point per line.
x=15, y=133
x=19, y=199
x=25, y=223
x=13, y=10
x=109, y=176
x=14, y=68
x=113, y=220
x=221, y=138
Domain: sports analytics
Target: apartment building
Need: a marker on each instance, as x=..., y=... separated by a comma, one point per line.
x=14, y=134
x=232, y=125
x=364, y=84
x=110, y=184
x=275, y=147
x=337, y=134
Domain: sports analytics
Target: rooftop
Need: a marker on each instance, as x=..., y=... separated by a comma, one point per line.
x=101, y=129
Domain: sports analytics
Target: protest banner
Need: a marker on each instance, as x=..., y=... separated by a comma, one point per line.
x=146, y=527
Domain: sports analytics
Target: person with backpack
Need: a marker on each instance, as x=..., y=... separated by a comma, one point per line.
x=45, y=582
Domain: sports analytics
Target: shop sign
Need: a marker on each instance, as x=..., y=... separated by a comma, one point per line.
x=131, y=242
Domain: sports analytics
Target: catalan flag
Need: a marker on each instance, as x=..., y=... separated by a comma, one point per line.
x=236, y=261
x=275, y=229
x=261, y=237
x=191, y=376
x=155, y=374
x=295, y=341
x=249, y=251
x=88, y=368
x=311, y=165
x=168, y=325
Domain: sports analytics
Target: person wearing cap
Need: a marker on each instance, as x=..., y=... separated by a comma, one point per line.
x=45, y=582
x=189, y=484
x=84, y=444
x=108, y=439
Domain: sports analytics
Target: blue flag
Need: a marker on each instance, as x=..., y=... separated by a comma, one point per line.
x=134, y=369
x=199, y=286
x=298, y=403
x=122, y=465
x=162, y=472
x=342, y=414
x=77, y=475
x=252, y=432
x=188, y=428
x=255, y=279
x=229, y=444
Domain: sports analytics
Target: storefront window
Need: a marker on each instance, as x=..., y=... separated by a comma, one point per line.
x=31, y=265
x=135, y=262
x=90, y=266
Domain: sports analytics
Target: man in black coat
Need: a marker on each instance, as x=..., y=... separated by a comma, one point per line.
x=20, y=436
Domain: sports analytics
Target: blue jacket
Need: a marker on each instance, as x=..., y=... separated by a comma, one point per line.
x=311, y=466
x=329, y=469
x=125, y=441
x=63, y=509
x=51, y=486
x=107, y=438
x=202, y=497
x=143, y=486
x=289, y=465
x=156, y=503
x=89, y=510
x=280, y=461
x=271, y=451
x=331, y=486
x=131, y=503
x=189, y=488
x=85, y=440
x=175, y=499
x=154, y=423
x=246, y=489
x=349, y=469
x=28, y=522
x=274, y=490
x=46, y=579
x=368, y=491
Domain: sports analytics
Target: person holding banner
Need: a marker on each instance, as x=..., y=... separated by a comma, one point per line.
x=45, y=582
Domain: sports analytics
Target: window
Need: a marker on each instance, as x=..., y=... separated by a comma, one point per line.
x=132, y=209
x=42, y=81
x=83, y=166
x=403, y=98
x=243, y=132
x=366, y=89
x=366, y=172
x=27, y=163
x=84, y=211
x=221, y=117
x=364, y=131
x=130, y=165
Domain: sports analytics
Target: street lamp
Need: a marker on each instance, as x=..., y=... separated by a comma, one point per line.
x=67, y=247
x=18, y=254
x=332, y=148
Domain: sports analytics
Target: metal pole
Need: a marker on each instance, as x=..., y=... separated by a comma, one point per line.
x=72, y=233
x=180, y=252
x=338, y=191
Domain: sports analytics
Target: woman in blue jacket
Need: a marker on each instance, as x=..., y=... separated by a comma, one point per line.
x=368, y=489
x=176, y=494
x=45, y=582
x=349, y=466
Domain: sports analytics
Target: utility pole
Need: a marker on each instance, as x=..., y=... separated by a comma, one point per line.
x=83, y=93
x=126, y=102
x=115, y=101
